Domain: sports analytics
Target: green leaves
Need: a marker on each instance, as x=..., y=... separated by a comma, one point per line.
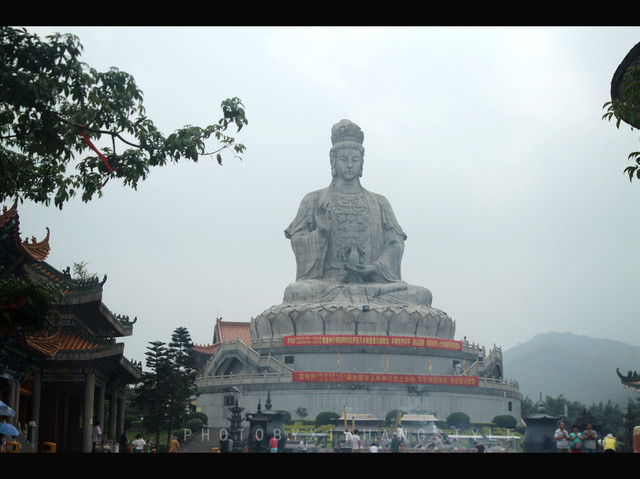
x=635, y=169
x=625, y=107
x=47, y=96
x=167, y=388
x=27, y=305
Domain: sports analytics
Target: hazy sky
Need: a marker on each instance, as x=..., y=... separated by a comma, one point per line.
x=488, y=142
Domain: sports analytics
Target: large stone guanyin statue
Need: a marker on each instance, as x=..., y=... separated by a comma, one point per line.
x=348, y=247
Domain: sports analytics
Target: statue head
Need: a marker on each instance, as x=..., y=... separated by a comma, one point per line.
x=345, y=135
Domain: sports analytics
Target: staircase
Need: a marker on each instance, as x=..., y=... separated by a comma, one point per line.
x=202, y=442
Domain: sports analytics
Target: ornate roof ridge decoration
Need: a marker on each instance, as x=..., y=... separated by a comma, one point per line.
x=36, y=251
x=68, y=284
x=125, y=321
x=90, y=283
x=8, y=214
x=631, y=380
x=232, y=323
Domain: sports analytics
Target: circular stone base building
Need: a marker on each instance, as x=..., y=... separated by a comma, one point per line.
x=350, y=335
x=359, y=373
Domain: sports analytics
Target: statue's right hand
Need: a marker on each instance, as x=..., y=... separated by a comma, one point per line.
x=323, y=218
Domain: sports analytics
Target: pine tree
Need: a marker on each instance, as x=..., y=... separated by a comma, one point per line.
x=182, y=377
x=153, y=393
x=168, y=387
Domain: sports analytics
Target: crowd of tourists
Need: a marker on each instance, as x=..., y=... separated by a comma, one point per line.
x=587, y=441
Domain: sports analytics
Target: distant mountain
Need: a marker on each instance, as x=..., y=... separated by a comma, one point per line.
x=578, y=367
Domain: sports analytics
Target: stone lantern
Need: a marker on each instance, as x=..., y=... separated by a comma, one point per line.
x=265, y=425
x=539, y=435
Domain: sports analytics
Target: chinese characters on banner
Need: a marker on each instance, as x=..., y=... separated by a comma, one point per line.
x=388, y=378
x=329, y=377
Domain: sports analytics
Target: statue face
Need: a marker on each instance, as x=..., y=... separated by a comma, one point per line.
x=349, y=164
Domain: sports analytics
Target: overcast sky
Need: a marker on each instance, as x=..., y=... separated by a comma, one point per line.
x=488, y=142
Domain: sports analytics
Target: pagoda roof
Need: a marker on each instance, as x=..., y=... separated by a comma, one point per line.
x=231, y=331
x=208, y=349
x=68, y=341
x=22, y=251
x=223, y=331
x=42, y=344
x=419, y=418
x=83, y=298
x=358, y=417
x=80, y=297
x=74, y=347
x=86, y=327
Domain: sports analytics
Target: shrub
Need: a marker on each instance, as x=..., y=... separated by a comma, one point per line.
x=458, y=420
x=198, y=415
x=194, y=424
x=324, y=418
x=506, y=421
x=129, y=420
x=390, y=418
x=137, y=425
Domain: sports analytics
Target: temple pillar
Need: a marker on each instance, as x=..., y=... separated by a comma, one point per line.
x=35, y=406
x=14, y=394
x=113, y=410
x=120, y=413
x=87, y=418
x=100, y=396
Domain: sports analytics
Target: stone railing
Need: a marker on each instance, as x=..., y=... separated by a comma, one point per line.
x=236, y=379
x=267, y=343
x=262, y=361
x=507, y=384
x=495, y=354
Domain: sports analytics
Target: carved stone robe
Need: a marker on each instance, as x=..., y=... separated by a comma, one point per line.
x=364, y=230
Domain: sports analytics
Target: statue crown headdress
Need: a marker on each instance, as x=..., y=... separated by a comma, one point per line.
x=346, y=130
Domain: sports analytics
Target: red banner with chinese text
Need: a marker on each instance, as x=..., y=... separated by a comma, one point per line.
x=337, y=377
x=357, y=340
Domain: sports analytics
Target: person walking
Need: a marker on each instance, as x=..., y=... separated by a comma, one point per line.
x=479, y=448
x=224, y=445
x=123, y=440
x=174, y=446
x=395, y=443
x=356, y=442
x=273, y=444
x=138, y=444
x=96, y=435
